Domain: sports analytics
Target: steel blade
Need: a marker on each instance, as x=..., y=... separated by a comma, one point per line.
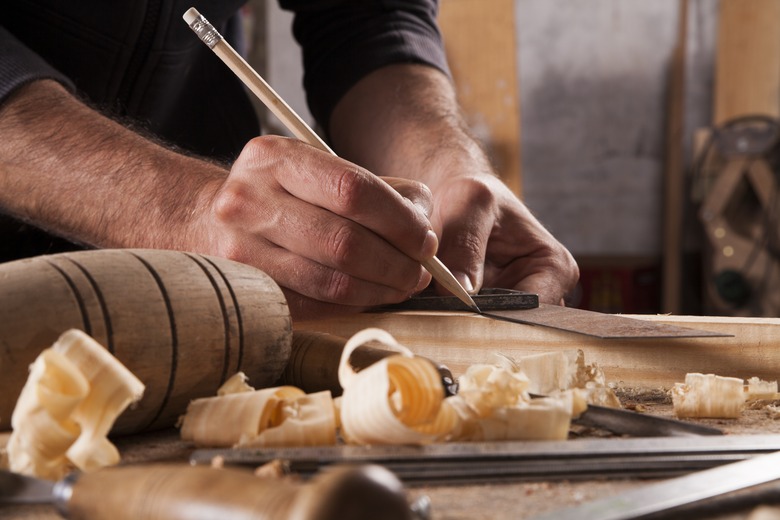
x=20, y=489
x=517, y=460
x=605, y=326
x=670, y=494
x=626, y=422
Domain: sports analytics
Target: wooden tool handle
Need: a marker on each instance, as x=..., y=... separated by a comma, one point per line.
x=181, y=322
x=178, y=492
x=314, y=361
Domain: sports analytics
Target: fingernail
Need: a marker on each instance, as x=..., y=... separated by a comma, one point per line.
x=430, y=245
x=422, y=282
x=421, y=207
x=465, y=281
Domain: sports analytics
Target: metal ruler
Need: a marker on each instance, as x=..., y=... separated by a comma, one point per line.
x=523, y=307
x=453, y=463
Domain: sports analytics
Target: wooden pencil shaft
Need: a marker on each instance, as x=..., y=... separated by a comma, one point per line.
x=268, y=96
x=443, y=275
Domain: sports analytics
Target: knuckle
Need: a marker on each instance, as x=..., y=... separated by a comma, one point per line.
x=264, y=150
x=230, y=202
x=265, y=144
x=480, y=193
x=342, y=244
x=339, y=287
x=348, y=187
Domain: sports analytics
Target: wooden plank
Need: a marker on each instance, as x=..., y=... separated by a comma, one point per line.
x=747, y=75
x=674, y=171
x=481, y=48
x=461, y=339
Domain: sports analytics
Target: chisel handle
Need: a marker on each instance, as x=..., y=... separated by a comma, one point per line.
x=179, y=492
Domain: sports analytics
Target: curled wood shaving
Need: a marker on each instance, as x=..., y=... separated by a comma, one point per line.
x=281, y=416
x=493, y=404
x=397, y=400
x=75, y=392
x=309, y=420
x=709, y=395
x=235, y=385
x=757, y=390
x=550, y=372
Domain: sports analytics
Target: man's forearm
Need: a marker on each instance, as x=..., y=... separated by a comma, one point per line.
x=397, y=119
x=70, y=170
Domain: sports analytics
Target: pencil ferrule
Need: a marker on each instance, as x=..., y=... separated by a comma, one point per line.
x=205, y=31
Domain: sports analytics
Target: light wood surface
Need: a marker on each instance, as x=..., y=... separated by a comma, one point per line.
x=182, y=323
x=459, y=340
x=481, y=45
x=747, y=69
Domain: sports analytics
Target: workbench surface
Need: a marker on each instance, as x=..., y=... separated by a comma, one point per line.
x=497, y=501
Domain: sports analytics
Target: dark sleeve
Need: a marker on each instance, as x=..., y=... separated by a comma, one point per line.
x=344, y=40
x=19, y=66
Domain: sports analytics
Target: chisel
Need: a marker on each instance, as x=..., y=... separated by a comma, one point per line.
x=179, y=492
x=517, y=461
x=671, y=494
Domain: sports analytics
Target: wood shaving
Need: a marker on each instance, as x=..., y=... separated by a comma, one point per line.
x=493, y=404
x=75, y=391
x=397, y=400
x=281, y=416
x=709, y=395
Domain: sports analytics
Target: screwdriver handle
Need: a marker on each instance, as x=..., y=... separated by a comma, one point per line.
x=180, y=492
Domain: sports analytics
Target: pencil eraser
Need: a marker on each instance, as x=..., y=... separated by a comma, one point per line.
x=191, y=15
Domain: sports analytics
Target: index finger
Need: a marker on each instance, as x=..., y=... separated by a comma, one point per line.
x=354, y=193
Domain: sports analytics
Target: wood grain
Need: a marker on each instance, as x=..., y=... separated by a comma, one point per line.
x=461, y=339
x=182, y=323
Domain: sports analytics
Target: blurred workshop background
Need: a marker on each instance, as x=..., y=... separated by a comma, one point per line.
x=642, y=134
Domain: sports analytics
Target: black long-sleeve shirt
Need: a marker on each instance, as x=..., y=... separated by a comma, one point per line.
x=137, y=59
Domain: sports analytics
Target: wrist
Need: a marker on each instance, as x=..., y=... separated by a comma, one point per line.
x=404, y=121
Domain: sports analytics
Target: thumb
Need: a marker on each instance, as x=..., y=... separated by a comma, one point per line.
x=463, y=252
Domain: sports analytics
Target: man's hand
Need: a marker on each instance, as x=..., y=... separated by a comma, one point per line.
x=333, y=235
x=404, y=121
x=490, y=239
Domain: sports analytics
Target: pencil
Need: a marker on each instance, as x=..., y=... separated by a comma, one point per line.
x=297, y=126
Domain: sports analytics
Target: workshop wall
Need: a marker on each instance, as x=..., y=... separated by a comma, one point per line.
x=593, y=80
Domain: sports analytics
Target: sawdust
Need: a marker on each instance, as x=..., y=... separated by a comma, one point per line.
x=758, y=417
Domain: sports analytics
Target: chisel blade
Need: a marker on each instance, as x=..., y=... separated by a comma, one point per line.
x=673, y=493
x=19, y=489
x=515, y=461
